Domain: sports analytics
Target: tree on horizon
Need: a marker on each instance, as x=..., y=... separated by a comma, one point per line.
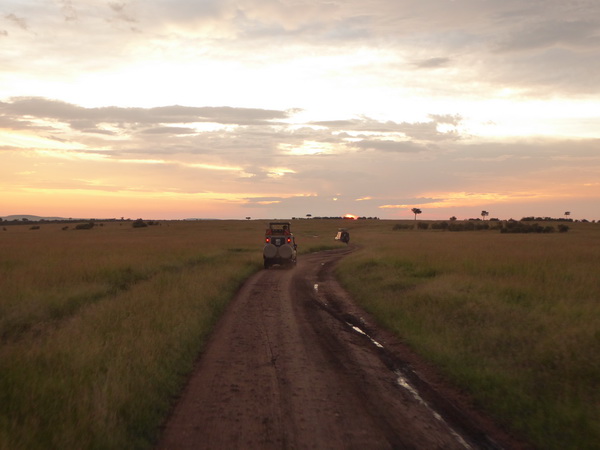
x=416, y=211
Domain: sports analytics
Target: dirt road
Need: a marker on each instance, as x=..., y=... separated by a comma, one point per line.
x=294, y=364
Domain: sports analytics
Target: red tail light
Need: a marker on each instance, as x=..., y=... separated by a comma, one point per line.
x=267, y=240
x=289, y=240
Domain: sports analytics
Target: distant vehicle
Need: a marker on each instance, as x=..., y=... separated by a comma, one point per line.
x=280, y=245
x=343, y=235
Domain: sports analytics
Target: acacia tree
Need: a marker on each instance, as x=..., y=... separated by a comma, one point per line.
x=567, y=213
x=484, y=214
x=416, y=211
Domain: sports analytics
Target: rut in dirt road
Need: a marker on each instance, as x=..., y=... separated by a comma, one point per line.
x=288, y=366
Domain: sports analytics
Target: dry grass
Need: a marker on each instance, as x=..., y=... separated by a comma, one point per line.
x=99, y=328
x=514, y=319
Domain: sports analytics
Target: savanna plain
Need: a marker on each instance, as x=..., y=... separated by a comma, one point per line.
x=100, y=328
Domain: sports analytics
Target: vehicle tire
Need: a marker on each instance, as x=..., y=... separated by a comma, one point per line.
x=270, y=251
x=286, y=252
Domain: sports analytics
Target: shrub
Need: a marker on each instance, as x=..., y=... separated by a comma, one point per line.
x=422, y=225
x=520, y=227
x=402, y=226
x=84, y=226
x=439, y=226
x=461, y=226
x=139, y=223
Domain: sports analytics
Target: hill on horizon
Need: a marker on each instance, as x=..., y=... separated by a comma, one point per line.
x=32, y=217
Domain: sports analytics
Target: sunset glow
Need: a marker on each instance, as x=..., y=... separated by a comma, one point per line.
x=171, y=110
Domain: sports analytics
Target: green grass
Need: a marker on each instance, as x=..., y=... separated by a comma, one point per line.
x=100, y=328
x=512, y=319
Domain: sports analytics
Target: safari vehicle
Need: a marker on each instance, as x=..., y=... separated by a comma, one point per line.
x=280, y=245
x=343, y=235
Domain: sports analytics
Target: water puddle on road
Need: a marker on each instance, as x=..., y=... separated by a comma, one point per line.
x=358, y=330
x=404, y=383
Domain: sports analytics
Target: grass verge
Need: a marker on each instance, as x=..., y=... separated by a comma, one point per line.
x=514, y=320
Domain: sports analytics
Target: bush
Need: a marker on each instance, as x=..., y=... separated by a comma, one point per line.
x=439, y=226
x=84, y=226
x=422, y=225
x=461, y=226
x=139, y=224
x=520, y=227
x=402, y=226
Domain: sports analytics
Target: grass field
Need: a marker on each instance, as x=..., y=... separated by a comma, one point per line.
x=513, y=319
x=99, y=328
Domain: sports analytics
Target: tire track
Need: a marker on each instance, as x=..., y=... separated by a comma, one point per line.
x=286, y=368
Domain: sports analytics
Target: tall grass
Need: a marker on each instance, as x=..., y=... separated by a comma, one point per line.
x=100, y=328
x=513, y=319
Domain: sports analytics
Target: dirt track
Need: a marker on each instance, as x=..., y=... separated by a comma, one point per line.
x=287, y=367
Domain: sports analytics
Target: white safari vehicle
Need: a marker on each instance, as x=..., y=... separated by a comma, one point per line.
x=280, y=245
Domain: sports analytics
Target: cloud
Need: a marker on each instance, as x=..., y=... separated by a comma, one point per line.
x=449, y=119
x=424, y=131
x=169, y=130
x=18, y=21
x=120, y=10
x=389, y=146
x=473, y=46
x=575, y=35
x=68, y=10
x=81, y=117
x=432, y=63
x=381, y=101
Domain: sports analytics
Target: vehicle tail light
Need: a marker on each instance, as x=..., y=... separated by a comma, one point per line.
x=267, y=240
x=289, y=240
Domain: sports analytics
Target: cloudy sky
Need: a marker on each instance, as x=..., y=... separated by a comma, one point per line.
x=170, y=109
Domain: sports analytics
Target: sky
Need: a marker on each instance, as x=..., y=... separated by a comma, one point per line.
x=174, y=109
